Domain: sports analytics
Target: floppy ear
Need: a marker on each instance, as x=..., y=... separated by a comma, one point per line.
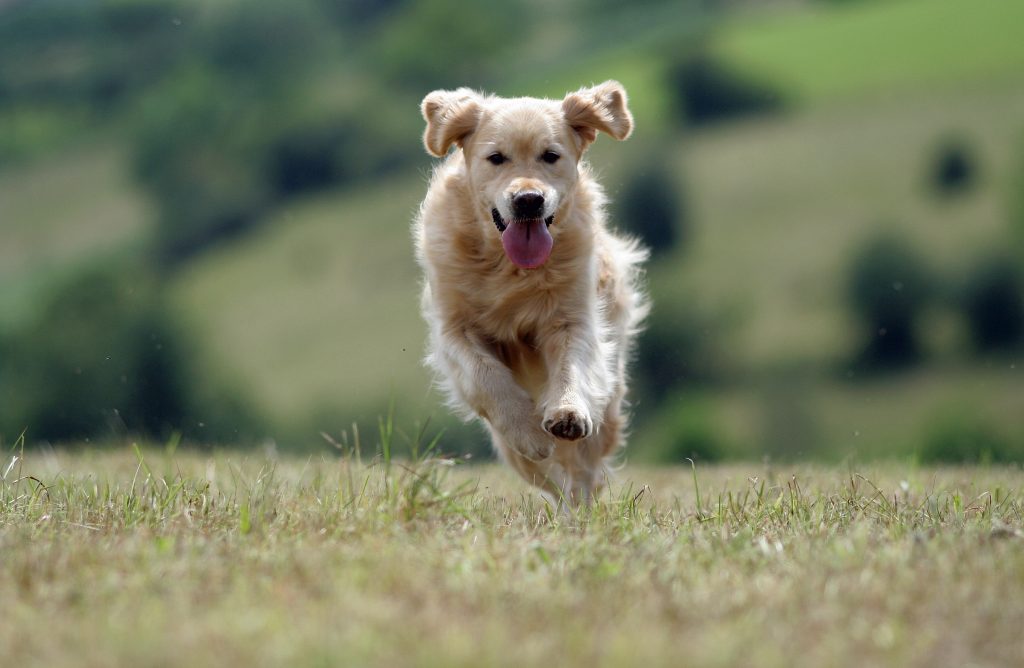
x=451, y=115
x=602, y=107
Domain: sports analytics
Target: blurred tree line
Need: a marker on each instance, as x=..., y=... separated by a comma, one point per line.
x=103, y=355
x=236, y=107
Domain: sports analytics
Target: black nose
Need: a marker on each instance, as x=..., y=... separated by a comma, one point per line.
x=528, y=204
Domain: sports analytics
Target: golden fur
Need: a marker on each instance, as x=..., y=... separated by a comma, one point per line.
x=539, y=355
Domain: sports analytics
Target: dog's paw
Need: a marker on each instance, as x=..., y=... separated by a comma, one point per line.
x=568, y=423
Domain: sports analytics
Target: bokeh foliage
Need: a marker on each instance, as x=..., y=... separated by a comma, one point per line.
x=277, y=145
x=104, y=355
x=889, y=288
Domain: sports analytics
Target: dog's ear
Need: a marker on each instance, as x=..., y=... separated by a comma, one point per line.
x=451, y=115
x=603, y=108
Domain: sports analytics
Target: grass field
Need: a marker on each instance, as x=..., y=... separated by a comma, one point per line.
x=117, y=558
x=857, y=50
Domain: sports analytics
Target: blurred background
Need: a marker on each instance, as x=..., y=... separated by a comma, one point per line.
x=205, y=210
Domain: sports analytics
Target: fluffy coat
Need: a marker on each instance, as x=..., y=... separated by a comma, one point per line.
x=538, y=354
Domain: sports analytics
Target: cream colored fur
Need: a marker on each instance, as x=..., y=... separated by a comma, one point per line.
x=531, y=352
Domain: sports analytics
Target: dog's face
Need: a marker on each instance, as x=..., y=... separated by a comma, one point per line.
x=522, y=155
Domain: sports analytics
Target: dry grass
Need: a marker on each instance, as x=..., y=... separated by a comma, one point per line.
x=117, y=558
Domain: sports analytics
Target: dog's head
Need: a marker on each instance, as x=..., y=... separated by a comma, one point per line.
x=522, y=155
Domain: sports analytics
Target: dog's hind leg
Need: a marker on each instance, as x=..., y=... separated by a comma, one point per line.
x=538, y=474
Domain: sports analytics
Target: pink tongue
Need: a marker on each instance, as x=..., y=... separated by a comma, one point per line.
x=527, y=242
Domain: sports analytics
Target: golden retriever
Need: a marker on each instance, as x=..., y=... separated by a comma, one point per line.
x=532, y=303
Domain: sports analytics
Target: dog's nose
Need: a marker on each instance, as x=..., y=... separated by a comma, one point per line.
x=528, y=204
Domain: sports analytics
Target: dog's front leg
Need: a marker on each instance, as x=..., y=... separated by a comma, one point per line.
x=579, y=385
x=483, y=383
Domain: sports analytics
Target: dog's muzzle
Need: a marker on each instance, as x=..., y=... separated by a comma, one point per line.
x=527, y=205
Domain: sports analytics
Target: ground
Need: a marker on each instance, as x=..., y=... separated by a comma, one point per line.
x=119, y=557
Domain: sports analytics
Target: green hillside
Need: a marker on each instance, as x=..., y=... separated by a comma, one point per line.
x=319, y=308
x=314, y=311
x=845, y=51
x=60, y=212
x=781, y=204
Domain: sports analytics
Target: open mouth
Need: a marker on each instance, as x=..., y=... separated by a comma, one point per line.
x=527, y=241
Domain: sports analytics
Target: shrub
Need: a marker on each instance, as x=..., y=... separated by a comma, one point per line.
x=707, y=92
x=685, y=427
x=953, y=167
x=104, y=357
x=679, y=346
x=958, y=437
x=993, y=303
x=693, y=435
x=307, y=158
x=888, y=289
x=651, y=206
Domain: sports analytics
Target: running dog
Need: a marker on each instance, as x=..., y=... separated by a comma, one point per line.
x=532, y=302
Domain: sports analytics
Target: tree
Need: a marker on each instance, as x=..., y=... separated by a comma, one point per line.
x=652, y=206
x=888, y=288
x=993, y=303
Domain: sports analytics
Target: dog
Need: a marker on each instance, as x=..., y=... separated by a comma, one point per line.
x=532, y=303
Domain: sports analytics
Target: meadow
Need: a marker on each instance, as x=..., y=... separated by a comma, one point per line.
x=821, y=536
x=158, y=557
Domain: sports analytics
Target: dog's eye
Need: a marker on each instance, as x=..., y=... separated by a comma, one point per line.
x=550, y=157
x=496, y=158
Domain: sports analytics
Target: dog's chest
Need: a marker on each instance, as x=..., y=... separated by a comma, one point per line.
x=515, y=313
x=526, y=363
